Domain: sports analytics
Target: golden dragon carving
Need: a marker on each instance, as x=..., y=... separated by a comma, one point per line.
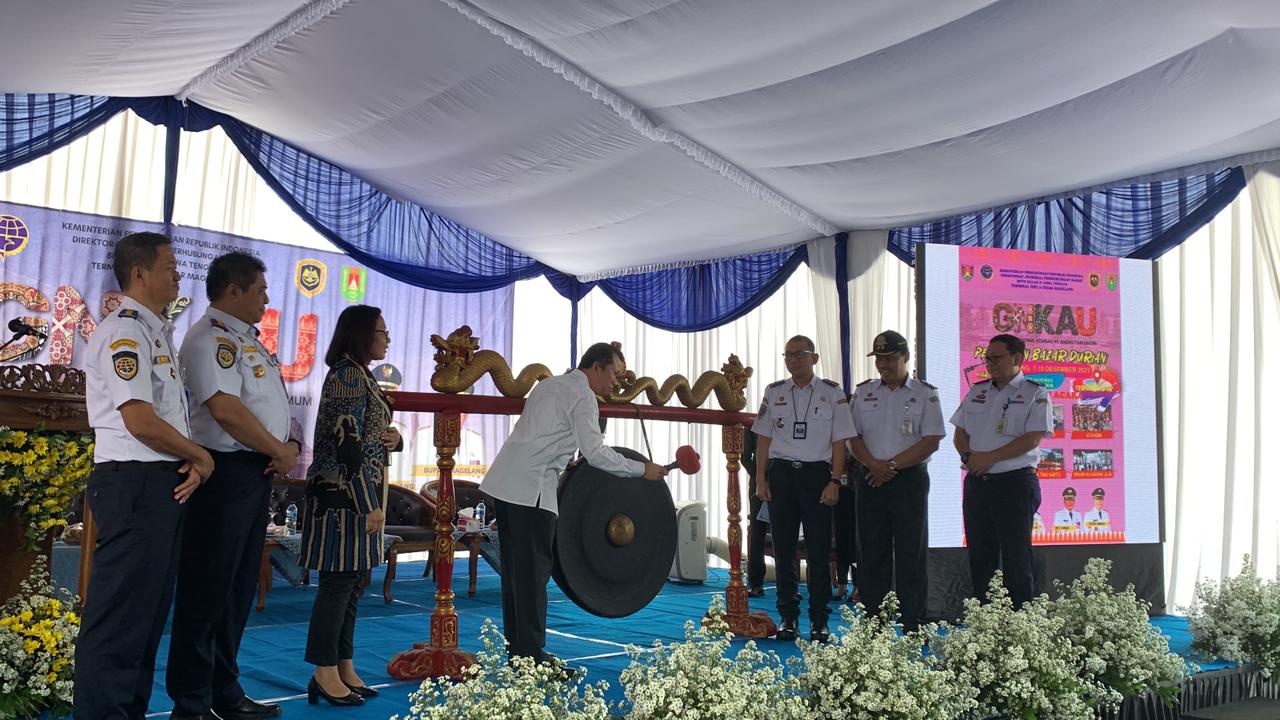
x=728, y=385
x=460, y=363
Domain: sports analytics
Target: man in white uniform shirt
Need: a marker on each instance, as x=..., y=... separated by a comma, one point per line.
x=999, y=426
x=1068, y=518
x=899, y=424
x=241, y=415
x=145, y=469
x=801, y=428
x=1097, y=519
x=561, y=416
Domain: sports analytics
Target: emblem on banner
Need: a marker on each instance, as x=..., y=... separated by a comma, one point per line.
x=1112, y=281
x=309, y=276
x=1094, y=280
x=353, y=283
x=987, y=272
x=13, y=235
x=966, y=272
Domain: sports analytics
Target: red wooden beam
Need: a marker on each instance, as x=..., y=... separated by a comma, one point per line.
x=494, y=405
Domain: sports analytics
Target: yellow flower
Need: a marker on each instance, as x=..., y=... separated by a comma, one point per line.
x=25, y=616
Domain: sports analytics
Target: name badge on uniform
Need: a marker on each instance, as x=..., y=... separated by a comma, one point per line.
x=799, y=430
x=1000, y=425
x=908, y=426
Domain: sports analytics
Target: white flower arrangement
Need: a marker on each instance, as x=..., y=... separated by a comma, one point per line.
x=1017, y=662
x=1123, y=652
x=1239, y=621
x=869, y=672
x=495, y=689
x=38, y=629
x=694, y=680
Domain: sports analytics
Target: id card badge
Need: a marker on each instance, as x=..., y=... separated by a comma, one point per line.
x=1000, y=426
x=908, y=426
x=799, y=430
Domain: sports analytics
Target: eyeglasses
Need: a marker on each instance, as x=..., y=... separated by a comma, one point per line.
x=385, y=333
x=993, y=359
x=797, y=354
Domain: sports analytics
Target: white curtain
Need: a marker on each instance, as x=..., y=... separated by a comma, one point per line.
x=757, y=339
x=1218, y=323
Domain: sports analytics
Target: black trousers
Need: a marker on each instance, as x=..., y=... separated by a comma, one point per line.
x=845, y=529
x=756, y=531
x=796, y=493
x=217, y=580
x=998, y=510
x=134, y=563
x=525, y=537
x=331, y=636
x=893, y=542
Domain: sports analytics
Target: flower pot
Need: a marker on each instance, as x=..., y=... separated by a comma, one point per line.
x=16, y=557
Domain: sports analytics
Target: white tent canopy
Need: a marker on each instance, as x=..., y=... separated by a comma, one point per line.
x=598, y=136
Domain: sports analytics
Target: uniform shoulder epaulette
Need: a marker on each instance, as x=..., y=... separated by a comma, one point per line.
x=864, y=382
x=129, y=313
x=981, y=382
x=219, y=324
x=774, y=385
x=931, y=387
x=832, y=383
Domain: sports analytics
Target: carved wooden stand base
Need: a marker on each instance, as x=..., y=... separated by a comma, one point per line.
x=742, y=622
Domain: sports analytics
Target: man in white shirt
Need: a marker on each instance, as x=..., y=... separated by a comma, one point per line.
x=999, y=426
x=1097, y=519
x=241, y=416
x=561, y=416
x=1068, y=518
x=145, y=469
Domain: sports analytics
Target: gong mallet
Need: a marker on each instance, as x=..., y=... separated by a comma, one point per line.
x=687, y=459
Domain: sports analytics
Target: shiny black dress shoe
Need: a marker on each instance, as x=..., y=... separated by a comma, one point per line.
x=180, y=715
x=315, y=692
x=755, y=591
x=566, y=672
x=819, y=633
x=246, y=708
x=363, y=691
x=786, y=630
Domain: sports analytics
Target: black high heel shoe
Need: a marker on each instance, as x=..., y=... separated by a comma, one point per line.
x=363, y=691
x=315, y=692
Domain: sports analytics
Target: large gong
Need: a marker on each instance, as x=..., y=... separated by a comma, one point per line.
x=615, y=539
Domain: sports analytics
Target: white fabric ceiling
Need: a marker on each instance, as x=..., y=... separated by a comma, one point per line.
x=731, y=126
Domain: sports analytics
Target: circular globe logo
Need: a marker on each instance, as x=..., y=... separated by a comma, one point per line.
x=13, y=235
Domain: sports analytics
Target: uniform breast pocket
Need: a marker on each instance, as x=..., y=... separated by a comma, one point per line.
x=252, y=369
x=166, y=384
x=1015, y=419
x=822, y=411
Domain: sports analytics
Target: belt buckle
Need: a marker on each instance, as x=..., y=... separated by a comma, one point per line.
x=796, y=464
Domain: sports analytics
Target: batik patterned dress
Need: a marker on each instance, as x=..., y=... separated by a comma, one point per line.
x=345, y=480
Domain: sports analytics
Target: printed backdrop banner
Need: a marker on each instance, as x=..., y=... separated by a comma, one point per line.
x=56, y=273
x=1067, y=308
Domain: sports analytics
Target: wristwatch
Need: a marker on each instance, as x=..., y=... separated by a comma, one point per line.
x=842, y=481
x=964, y=457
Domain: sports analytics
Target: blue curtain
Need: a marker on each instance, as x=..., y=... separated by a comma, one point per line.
x=705, y=296
x=1140, y=221
x=35, y=125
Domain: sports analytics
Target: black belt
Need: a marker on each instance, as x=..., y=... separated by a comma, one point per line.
x=247, y=455
x=1008, y=474
x=134, y=465
x=801, y=464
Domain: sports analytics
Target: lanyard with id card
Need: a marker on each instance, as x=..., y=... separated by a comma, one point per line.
x=1000, y=425
x=908, y=425
x=800, y=428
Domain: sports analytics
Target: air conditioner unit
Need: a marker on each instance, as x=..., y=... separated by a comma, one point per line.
x=690, y=564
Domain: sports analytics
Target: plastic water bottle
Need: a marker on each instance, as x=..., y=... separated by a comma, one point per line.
x=480, y=514
x=291, y=518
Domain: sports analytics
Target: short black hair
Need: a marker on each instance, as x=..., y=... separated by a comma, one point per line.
x=235, y=268
x=1012, y=343
x=599, y=353
x=137, y=250
x=804, y=339
x=353, y=335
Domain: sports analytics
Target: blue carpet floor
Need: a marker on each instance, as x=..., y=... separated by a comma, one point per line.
x=272, y=667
